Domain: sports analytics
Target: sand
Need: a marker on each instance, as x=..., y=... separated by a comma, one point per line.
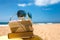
x=4, y=30
x=45, y=31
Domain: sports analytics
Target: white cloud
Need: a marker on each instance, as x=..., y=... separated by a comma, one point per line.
x=45, y=2
x=54, y=1
x=23, y=5
x=40, y=3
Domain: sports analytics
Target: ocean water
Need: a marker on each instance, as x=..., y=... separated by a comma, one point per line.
x=4, y=23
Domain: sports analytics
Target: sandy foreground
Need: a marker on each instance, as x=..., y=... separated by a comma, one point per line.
x=45, y=31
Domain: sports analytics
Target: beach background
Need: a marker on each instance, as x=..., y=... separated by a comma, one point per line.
x=41, y=10
x=47, y=31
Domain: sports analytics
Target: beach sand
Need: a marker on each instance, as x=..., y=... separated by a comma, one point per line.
x=4, y=30
x=45, y=31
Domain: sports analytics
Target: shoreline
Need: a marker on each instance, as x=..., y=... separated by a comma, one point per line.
x=4, y=25
x=36, y=23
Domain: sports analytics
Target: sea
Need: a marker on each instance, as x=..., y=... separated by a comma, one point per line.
x=6, y=23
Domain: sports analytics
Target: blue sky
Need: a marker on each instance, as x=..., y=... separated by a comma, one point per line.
x=41, y=10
